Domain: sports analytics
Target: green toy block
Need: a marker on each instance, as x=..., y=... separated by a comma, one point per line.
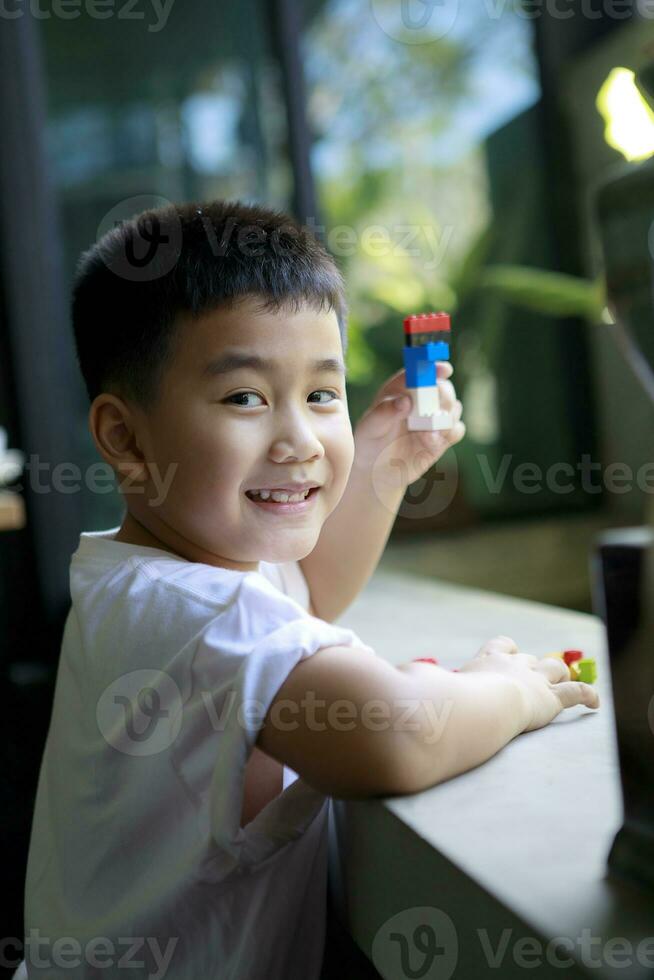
x=587, y=670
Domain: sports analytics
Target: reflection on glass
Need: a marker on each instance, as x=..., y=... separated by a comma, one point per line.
x=187, y=111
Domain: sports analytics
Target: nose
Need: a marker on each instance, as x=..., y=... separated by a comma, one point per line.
x=295, y=437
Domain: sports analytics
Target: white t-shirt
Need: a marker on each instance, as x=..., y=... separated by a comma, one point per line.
x=138, y=866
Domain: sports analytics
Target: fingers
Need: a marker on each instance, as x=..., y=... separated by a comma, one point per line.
x=498, y=644
x=570, y=693
x=379, y=418
x=456, y=433
x=450, y=403
x=446, y=395
x=509, y=645
x=555, y=670
x=395, y=385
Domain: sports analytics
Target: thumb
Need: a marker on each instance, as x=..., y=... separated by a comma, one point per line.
x=570, y=693
x=384, y=413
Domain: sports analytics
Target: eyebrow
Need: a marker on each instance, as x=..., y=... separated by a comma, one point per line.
x=235, y=360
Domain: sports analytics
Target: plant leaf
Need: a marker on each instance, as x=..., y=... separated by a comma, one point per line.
x=552, y=293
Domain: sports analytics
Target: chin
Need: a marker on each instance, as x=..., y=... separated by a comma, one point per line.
x=290, y=551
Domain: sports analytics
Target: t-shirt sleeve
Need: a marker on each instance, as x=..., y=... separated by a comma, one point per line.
x=242, y=659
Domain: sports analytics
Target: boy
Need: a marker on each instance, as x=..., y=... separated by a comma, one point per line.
x=180, y=821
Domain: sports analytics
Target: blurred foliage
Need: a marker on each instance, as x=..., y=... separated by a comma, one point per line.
x=407, y=138
x=389, y=153
x=398, y=159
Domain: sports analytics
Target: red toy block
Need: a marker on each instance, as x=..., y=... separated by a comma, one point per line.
x=427, y=322
x=425, y=660
x=570, y=656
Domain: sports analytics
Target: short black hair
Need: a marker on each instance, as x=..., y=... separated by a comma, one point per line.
x=131, y=285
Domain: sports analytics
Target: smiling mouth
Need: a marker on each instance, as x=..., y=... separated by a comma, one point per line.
x=280, y=496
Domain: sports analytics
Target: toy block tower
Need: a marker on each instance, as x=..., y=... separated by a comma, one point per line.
x=427, y=340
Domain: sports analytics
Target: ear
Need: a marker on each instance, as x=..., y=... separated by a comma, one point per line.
x=113, y=426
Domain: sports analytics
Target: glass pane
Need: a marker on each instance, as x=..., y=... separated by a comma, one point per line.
x=155, y=103
x=428, y=156
x=611, y=125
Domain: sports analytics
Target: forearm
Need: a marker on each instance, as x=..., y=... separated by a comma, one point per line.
x=462, y=720
x=336, y=571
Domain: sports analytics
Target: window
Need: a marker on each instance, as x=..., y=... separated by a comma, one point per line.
x=428, y=157
x=140, y=113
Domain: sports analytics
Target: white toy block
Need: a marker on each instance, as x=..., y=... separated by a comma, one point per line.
x=427, y=414
x=429, y=423
x=426, y=400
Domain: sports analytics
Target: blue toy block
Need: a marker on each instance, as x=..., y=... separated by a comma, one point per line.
x=420, y=363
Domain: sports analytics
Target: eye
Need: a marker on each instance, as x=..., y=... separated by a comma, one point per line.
x=241, y=394
x=325, y=391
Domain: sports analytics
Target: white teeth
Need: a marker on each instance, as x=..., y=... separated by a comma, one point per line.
x=279, y=495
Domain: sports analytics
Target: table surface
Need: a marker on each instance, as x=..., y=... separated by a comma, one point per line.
x=532, y=826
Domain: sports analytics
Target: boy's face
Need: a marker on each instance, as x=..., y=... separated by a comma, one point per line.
x=246, y=428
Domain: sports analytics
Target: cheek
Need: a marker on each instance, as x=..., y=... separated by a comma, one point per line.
x=208, y=456
x=340, y=447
